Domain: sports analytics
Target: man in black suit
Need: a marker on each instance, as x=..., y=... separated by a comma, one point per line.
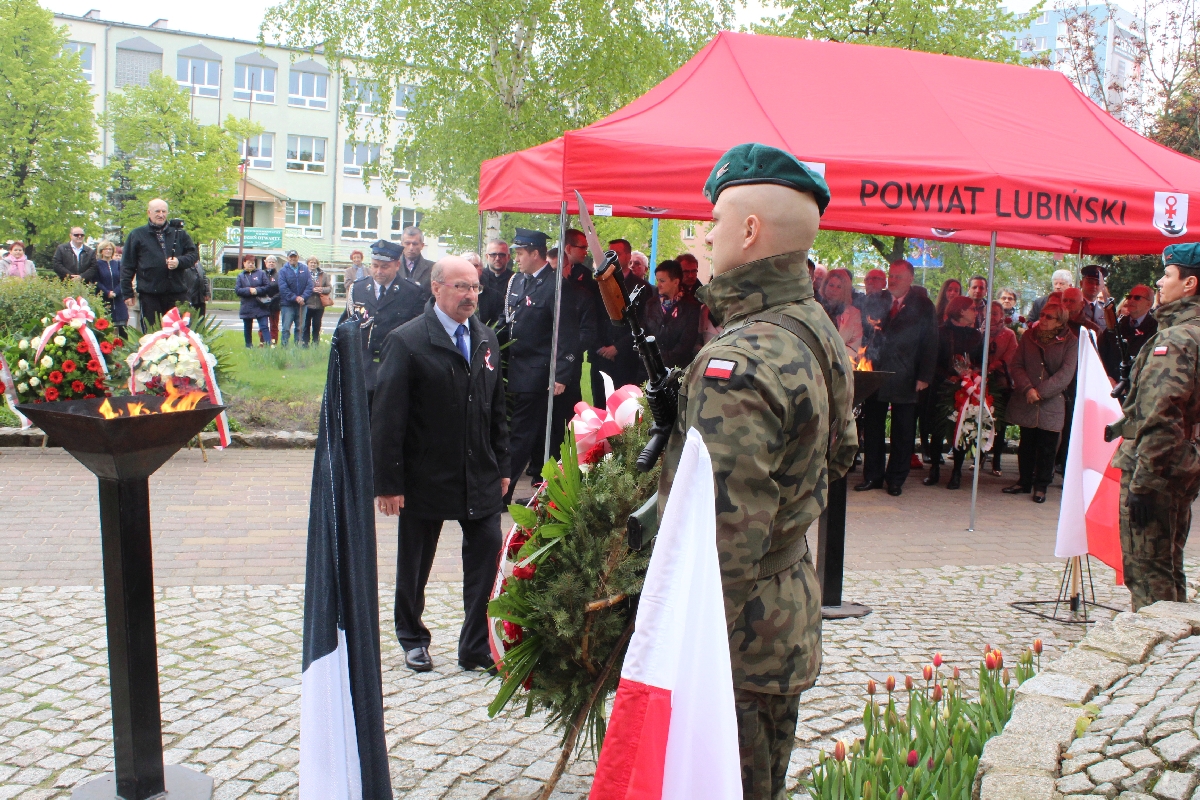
x=529, y=316
x=74, y=259
x=907, y=343
x=160, y=256
x=497, y=272
x=415, y=268
x=619, y=358
x=440, y=445
x=385, y=302
x=674, y=316
x=1137, y=324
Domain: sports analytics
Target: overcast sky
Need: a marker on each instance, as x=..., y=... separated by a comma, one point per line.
x=241, y=18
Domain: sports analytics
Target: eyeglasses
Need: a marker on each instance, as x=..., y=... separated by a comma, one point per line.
x=497, y=255
x=1137, y=297
x=459, y=286
x=76, y=234
x=577, y=246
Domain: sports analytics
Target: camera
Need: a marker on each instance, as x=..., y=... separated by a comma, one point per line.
x=177, y=224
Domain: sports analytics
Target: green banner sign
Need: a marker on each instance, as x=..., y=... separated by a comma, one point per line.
x=256, y=238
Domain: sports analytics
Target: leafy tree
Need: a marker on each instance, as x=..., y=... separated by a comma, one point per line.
x=162, y=152
x=490, y=76
x=47, y=132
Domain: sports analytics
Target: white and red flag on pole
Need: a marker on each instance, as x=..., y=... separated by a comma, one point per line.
x=673, y=730
x=1089, y=517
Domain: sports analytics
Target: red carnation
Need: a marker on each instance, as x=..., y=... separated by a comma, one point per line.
x=524, y=573
x=81, y=347
x=77, y=386
x=55, y=377
x=98, y=385
x=51, y=393
x=513, y=632
x=118, y=343
x=102, y=324
x=93, y=365
x=68, y=366
x=106, y=347
x=89, y=397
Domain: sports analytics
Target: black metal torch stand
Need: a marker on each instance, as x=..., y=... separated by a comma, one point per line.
x=831, y=528
x=123, y=453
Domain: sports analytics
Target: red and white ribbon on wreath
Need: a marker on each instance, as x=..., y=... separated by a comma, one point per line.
x=10, y=393
x=76, y=313
x=175, y=324
x=592, y=426
x=968, y=395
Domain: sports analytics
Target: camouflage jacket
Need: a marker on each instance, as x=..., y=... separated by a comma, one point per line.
x=766, y=427
x=1161, y=421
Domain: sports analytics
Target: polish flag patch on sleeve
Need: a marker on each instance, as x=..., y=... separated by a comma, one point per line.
x=1161, y=350
x=719, y=368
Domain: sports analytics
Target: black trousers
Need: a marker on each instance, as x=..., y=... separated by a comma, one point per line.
x=414, y=558
x=312, y=324
x=1035, y=457
x=526, y=435
x=598, y=364
x=155, y=305
x=904, y=429
x=564, y=409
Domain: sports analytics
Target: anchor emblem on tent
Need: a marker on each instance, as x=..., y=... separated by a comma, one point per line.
x=1171, y=212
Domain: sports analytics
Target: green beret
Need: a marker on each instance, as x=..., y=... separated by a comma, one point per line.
x=760, y=163
x=1183, y=255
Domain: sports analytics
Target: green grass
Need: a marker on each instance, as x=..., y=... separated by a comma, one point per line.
x=281, y=373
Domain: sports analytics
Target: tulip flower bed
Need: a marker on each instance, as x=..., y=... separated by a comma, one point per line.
x=930, y=751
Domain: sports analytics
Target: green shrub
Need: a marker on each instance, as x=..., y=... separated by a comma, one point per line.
x=24, y=301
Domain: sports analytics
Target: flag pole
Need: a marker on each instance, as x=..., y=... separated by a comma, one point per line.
x=987, y=340
x=558, y=279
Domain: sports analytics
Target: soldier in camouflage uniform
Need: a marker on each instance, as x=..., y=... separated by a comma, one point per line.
x=758, y=396
x=1159, y=458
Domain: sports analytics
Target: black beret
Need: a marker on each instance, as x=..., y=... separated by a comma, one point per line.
x=760, y=163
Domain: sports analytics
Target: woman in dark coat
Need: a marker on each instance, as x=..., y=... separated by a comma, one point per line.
x=1041, y=371
x=960, y=349
x=108, y=283
x=254, y=288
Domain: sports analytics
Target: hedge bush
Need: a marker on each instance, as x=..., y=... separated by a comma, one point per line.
x=24, y=301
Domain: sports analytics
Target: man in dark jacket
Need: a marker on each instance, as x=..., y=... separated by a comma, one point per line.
x=75, y=259
x=581, y=306
x=673, y=318
x=385, y=302
x=907, y=347
x=1137, y=325
x=619, y=358
x=497, y=272
x=415, y=268
x=159, y=256
x=440, y=445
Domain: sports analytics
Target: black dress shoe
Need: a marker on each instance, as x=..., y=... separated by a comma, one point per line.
x=867, y=486
x=894, y=491
x=955, y=479
x=1039, y=497
x=1017, y=488
x=935, y=475
x=418, y=659
x=472, y=664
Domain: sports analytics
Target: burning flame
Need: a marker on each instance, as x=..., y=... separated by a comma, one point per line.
x=177, y=400
x=862, y=363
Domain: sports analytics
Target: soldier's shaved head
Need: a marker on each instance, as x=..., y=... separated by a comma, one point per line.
x=757, y=220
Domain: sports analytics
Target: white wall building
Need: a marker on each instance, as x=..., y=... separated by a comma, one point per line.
x=305, y=189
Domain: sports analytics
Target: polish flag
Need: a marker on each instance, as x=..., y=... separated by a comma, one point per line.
x=1089, y=517
x=673, y=731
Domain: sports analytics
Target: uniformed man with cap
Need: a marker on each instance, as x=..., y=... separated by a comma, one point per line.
x=772, y=397
x=1091, y=284
x=384, y=302
x=529, y=326
x=1159, y=456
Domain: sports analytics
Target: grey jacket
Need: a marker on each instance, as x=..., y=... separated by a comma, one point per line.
x=1050, y=370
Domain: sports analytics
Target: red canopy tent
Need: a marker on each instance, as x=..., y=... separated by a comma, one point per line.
x=976, y=147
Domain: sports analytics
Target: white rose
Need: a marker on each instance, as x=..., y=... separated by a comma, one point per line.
x=47, y=362
x=23, y=344
x=23, y=364
x=78, y=323
x=173, y=359
x=22, y=387
x=153, y=369
x=60, y=340
x=45, y=320
x=144, y=377
x=34, y=381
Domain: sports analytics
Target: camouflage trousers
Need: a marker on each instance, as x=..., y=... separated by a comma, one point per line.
x=766, y=735
x=1153, y=554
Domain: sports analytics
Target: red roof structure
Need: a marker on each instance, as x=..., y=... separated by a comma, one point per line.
x=911, y=144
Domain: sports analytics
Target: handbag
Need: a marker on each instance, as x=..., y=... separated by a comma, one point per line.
x=326, y=299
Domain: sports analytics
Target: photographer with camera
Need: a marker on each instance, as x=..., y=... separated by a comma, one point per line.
x=162, y=257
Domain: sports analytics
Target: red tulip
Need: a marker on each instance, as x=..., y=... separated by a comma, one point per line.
x=929, y=764
x=1037, y=646
x=899, y=793
x=890, y=683
x=927, y=672
x=989, y=661
x=956, y=673
x=999, y=659
x=937, y=659
x=870, y=687
x=913, y=758
x=908, y=682
x=839, y=750
x=937, y=692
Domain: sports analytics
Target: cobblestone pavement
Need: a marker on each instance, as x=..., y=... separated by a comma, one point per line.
x=230, y=658
x=1144, y=739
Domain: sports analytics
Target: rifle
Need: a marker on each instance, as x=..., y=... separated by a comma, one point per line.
x=662, y=390
x=1123, y=371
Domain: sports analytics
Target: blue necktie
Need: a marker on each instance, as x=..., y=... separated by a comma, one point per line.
x=460, y=338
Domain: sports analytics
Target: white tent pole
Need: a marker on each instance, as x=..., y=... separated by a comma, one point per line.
x=558, y=273
x=987, y=341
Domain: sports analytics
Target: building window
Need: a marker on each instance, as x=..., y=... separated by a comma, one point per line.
x=87, y=56
x=199, y=76
x=358, y=156
x=260, y=151
x=308, y=90
x=404, y=98
x=360, y=222
x=304, y=216
x=257, y=83
x=362, y=96
x=404, y=218
x=1042, y=20
x=306, y=153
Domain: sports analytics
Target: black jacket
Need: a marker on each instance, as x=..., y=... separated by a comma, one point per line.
x=401, y=302
x=421, y=275
x=491, y=300
x=677, y=333
x=438, y=429
x=530, y=304
x=1110, y=351
x=65, y=264
x=146, y=260
x=908, y=347
x=957, y=341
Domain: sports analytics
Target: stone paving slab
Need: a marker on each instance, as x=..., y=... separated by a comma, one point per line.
x=230, y=658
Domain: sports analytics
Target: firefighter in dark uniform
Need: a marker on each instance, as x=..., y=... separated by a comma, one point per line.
x=529, y=326
x=385, y=303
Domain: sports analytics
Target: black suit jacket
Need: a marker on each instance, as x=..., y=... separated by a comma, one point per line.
x=1110, y=351
x=491, y=301
x=530, y=304
x=421, y=274
x=677, y=333
x=909, y=347
x=145, y=259
x=65, y=264
x=401, y=302
x=438, y=430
